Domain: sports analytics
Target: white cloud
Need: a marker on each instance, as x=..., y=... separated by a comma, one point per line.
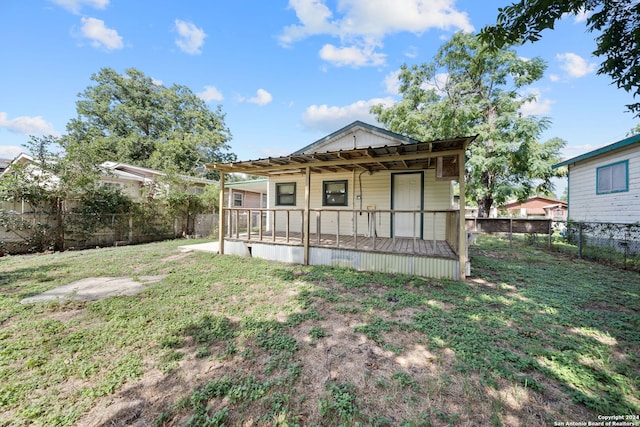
x=327, y=119
x=554, y=77
x=27, y=125
x=262, y=97
x=10, y=151
x=373, y=18
x=575, y=65
x=391, y=83
x=411, y=52
x=362, y=25
x=100, y=36
x=75, y=5
x=210, y=93
x=351, y=56
x=439, y=82
x=536, y=106
x=191, y=37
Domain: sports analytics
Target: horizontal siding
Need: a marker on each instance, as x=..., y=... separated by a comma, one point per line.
x=438, y=195
x=584, y=202
x=375, y=192
x=363, y=139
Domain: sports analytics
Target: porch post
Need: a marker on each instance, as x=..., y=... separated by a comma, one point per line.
x=307, y=213
x=462, y=232
x=221, y=219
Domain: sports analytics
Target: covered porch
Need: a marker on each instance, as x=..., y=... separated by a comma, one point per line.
x=432, y=242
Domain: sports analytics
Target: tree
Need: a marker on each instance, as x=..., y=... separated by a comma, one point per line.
x=130, y=118
x=57, y=185
x=616, y=21
x=470, y=90
x=633, y=132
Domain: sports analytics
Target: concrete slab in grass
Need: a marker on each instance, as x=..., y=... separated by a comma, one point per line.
x=95, y=288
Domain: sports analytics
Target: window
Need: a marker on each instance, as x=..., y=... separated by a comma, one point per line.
x=237, y=200
x=286, y=194
x=335, y=193
x=613, y=178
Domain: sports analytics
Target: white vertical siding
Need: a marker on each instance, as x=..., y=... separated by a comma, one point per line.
x=584, y=202
x=386, y=263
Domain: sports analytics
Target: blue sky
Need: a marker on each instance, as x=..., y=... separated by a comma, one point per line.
x=286, y=72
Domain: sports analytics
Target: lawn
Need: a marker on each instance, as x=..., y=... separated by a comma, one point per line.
x=534, y=337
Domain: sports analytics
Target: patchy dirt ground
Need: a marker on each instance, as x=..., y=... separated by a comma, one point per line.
x=432, y=386
x=400, y=377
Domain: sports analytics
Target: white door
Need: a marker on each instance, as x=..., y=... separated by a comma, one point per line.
x=407, y=189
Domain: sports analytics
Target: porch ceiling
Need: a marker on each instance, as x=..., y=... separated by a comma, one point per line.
x=388, y=157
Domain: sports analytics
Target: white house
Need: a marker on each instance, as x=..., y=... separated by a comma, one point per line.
x=604, y=184
x=361, y=197
x=136, y=182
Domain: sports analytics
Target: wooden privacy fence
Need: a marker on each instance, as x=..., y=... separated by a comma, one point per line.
x=33, y=232
x=511, y=226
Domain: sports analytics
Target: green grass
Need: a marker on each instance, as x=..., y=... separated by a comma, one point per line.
x=534, y=335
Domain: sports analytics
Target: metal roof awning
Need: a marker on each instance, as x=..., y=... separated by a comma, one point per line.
x=389, y=157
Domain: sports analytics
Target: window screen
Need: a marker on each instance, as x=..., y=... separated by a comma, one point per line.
x=335, y=193
x=237, y=200
x=612, y=178
x=286, y=194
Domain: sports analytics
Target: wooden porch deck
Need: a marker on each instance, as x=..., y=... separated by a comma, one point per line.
x=397, y=245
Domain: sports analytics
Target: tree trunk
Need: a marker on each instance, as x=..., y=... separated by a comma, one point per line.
x=484, y=207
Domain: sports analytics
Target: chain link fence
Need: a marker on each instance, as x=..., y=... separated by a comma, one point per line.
x=607, y=243
x=610, y=243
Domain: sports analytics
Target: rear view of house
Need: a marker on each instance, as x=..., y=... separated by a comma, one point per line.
x=361, y=197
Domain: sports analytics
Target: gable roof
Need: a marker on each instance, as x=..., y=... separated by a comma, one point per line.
x=404, y=154
x=635, y=139
x=412, y=156
x=352, y=127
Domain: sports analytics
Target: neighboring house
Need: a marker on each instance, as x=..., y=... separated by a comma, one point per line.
x=246, y=194
x=32, y=167
x=538, y=207
x=4, y=164
x=361, y=197
x=136, y=182
x=604, y=184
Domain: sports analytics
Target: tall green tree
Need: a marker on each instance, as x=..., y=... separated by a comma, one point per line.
x=471, y=90
x=130, y=118
x=617, y=23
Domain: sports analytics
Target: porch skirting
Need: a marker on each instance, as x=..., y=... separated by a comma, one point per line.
x=420, y=265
